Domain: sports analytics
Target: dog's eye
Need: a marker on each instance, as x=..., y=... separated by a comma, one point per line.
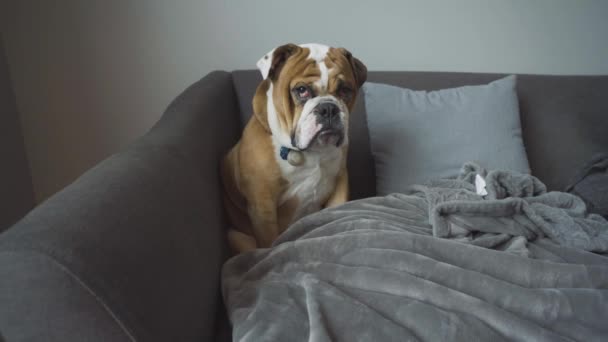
x=345, y=92
x=303, y=92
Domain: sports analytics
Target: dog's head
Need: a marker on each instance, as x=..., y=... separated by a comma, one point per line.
x=307, y=94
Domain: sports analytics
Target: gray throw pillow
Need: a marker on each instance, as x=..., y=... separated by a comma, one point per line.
x=417, y=136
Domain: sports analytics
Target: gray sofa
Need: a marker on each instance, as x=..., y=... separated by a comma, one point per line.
x=132, y=250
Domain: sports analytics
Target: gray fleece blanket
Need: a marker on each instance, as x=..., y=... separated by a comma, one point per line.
x=444, y=262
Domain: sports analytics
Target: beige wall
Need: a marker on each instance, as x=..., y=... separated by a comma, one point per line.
x=90, y=76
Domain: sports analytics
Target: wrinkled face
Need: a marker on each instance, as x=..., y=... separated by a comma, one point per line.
x=310, y=92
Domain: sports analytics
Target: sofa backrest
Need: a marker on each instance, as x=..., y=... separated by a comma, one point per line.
x=564, y=120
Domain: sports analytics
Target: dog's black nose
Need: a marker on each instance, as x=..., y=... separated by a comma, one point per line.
x=327, y=110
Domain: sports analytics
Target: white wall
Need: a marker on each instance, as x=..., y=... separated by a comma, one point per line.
x=90, y=76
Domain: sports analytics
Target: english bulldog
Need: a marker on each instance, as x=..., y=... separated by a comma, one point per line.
x=291, y=158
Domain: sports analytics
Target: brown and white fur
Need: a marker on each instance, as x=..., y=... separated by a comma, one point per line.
x=303, y=104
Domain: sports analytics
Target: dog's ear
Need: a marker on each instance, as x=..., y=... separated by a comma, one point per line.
x=359, y=69
x=271, y=63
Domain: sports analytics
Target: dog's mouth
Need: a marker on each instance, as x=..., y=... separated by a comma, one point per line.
x=323, y=137
x=330, y=136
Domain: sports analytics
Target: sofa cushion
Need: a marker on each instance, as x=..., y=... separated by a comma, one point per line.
x=417, y=136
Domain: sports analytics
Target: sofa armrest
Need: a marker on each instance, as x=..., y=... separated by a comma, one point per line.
x=138, y=238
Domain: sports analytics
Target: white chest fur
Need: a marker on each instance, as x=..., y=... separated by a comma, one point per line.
x=313, y=181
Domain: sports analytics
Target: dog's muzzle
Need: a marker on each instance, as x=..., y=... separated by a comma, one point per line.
x=321, y=124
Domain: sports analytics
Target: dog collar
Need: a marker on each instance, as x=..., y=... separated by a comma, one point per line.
x=284, y=152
